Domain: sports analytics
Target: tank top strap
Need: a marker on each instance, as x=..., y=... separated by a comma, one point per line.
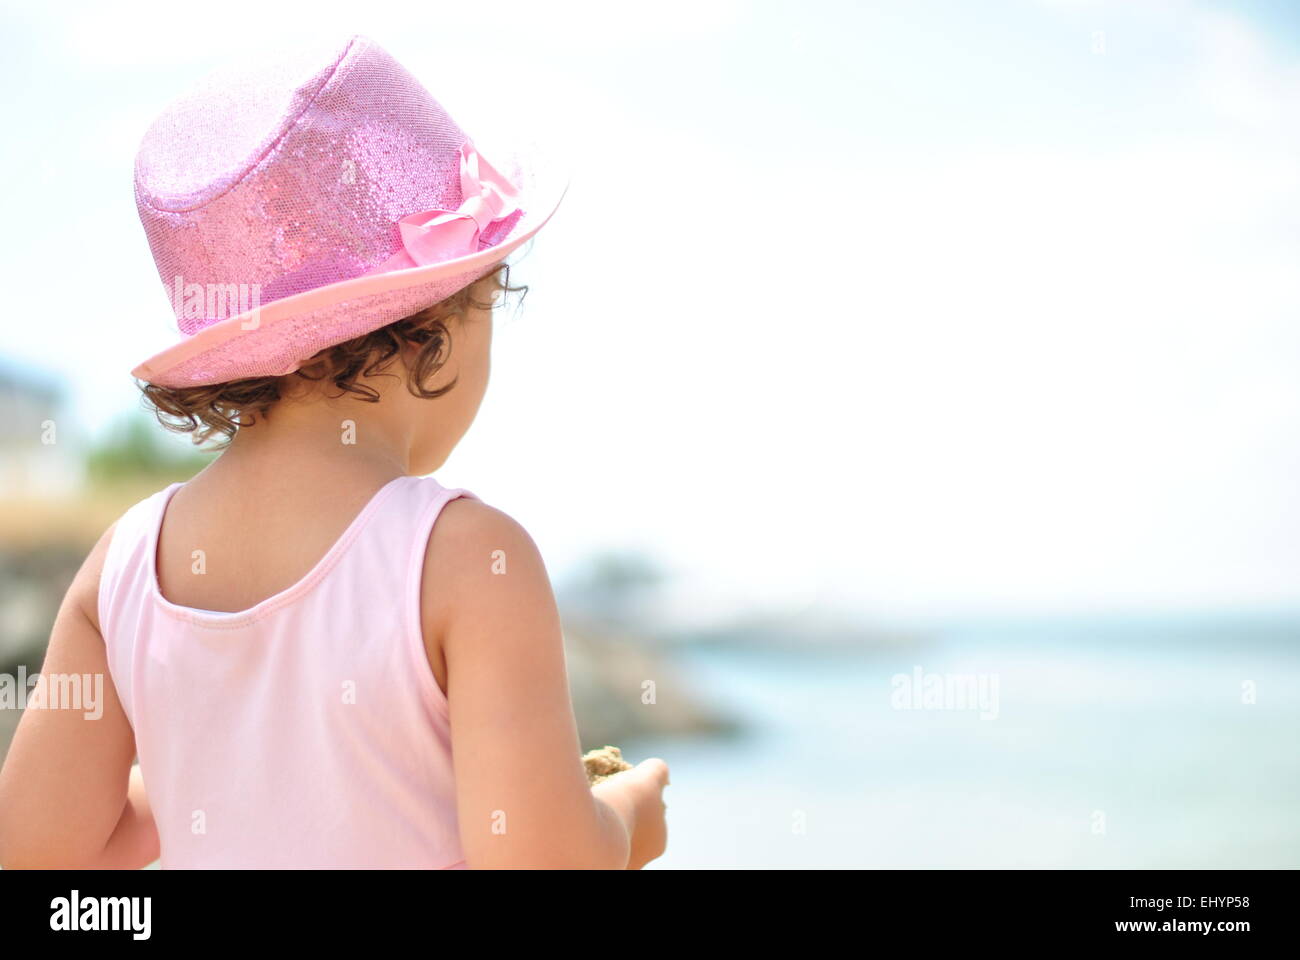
x=383, y=568
x=128, y=561
x=427, y=500
x=392, y=542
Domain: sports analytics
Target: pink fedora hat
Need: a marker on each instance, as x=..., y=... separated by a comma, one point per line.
x=296, y=205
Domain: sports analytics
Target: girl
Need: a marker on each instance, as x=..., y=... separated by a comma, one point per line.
x=320, y=657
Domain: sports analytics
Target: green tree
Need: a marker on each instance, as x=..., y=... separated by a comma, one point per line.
x=134, y=449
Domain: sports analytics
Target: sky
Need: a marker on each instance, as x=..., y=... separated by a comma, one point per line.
x=893, y=308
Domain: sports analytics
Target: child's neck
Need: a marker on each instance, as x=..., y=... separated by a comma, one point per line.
x=283, y=492
x=343, y=442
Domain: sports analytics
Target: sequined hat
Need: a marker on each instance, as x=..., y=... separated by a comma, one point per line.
x=296, y=205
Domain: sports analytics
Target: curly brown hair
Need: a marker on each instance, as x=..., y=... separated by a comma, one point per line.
x=222, y=409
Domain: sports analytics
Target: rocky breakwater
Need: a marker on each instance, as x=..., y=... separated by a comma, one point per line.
x=626, y=688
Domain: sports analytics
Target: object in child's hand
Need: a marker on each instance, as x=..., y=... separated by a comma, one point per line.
x=604, y=763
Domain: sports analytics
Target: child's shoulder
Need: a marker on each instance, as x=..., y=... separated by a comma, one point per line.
x=479, y=557
x=467, y=524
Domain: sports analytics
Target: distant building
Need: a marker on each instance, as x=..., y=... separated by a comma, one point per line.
x=38, y=456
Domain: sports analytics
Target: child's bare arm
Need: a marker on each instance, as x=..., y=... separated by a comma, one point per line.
x=68, y=794
x=522, y=793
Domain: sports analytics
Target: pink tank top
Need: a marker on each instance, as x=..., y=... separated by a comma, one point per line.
x=306, y=731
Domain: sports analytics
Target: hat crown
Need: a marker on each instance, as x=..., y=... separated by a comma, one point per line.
x=292, y=175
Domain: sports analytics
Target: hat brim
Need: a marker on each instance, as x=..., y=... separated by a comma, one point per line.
x=278, y=337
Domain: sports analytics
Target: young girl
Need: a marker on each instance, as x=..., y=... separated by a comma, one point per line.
x=321, y=657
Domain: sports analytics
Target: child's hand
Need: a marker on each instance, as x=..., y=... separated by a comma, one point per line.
x=650, y=838
x=637, y=795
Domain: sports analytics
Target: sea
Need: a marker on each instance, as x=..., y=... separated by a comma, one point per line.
x=1085, y=742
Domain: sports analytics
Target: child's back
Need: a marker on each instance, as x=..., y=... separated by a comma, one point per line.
x=301, y=728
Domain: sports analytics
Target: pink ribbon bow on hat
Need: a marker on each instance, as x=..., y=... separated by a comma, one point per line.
x=438, y=235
